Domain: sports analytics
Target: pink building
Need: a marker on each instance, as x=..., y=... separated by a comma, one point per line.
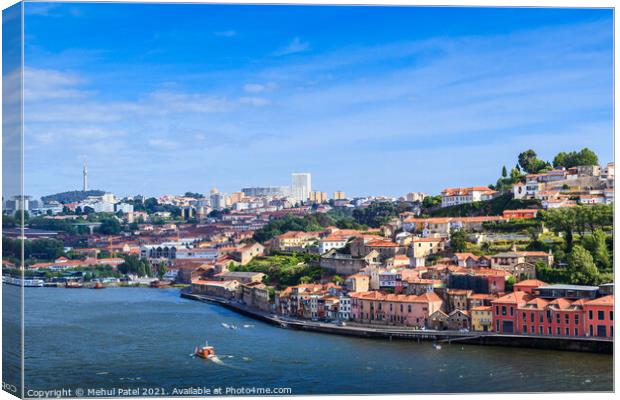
x=394, y=309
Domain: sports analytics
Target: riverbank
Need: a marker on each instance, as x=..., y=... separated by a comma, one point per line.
x=592, y=345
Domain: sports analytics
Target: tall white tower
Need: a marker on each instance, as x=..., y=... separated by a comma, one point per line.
x=85, y=178
x=301, y=185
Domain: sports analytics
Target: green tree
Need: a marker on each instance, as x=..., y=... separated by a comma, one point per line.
x=458, y=241
x=504, y=172
x=110, y=226
x=510, y=281
x=573, y=159
x=597, y=246
x=135, y=266
x=561, y=220
x=581, y=267
x=161, y=270
x=431, y=201
x=530, y=163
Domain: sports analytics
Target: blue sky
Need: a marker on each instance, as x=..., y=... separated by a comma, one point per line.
x=371, y=100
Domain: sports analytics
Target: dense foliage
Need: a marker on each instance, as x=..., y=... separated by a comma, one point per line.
x=39, y=249
x=573, y=159
x=308, y=223
x=73, y=196
x=284, y=270
x=494, y=206
x=380, y=212
x=530, y=163
x=578, y=219
x=135, y=266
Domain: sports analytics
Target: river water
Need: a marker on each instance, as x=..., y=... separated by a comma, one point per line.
x=142, y=338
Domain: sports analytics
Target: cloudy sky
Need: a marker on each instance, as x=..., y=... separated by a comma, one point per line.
x=371, y=100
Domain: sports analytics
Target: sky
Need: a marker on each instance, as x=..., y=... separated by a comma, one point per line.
x=168, y=98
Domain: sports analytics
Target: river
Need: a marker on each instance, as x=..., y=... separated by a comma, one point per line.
x=142, y=338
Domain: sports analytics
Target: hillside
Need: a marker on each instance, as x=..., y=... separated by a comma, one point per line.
x=490, y=207
x=71, y=196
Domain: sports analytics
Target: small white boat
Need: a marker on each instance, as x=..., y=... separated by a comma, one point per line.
x=233, y=327
x=437, y=346
x=225, y=325
x=248, y=326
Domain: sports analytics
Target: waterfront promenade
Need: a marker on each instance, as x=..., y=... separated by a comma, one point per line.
x=595, y=345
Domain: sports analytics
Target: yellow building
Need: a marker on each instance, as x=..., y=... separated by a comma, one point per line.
x=481, y=319
x=338, y=196
x=318, y=197
x=236, y=197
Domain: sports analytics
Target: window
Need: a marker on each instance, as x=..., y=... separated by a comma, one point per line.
x=567, y=332
x=576, y=318
x=511, y=311
x=503, y=310
x=532, y=317
x=611, y=315
x=497, y=310
x=532, y=331
x=601, y=315
x=576, y=332
x=558, y=330
x=549, y=330
x=497, y=326
x=557, y=318
x=524, y=317
x=590, y=315
x=524, y=329
x=542, y=318
x=566, y=318
x=409, y=308
x=540, y=330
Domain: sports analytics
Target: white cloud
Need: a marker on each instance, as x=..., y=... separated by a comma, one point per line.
x=259, y=87
x=254, y=101
x=45, y=84
x=295, y=46
x=162, y=144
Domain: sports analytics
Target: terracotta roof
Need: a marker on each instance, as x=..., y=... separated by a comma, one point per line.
x=398, y=298
x=602, y=301
x=531, y=282
x=465, y=191
x=514, y=298
x=382, y=243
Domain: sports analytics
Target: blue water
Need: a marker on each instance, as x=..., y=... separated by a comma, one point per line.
x=142, y=338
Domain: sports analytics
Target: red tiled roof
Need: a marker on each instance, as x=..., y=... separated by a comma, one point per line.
x=514, y=298
x=602, y=301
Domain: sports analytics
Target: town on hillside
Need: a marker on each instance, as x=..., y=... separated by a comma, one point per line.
x=531, y=254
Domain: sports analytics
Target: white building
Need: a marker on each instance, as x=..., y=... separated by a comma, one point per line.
x=344, y=308
x=301, y=186
x=102, y=207
x=332, y=242
x=456, y=196
x=217, y=199
x=125, y=208
x=415, y=196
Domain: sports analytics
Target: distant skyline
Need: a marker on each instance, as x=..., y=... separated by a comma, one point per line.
x=168, y=98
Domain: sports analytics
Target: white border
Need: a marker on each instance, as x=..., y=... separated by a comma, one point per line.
x=470, y=3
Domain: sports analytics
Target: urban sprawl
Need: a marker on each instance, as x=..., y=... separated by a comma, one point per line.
x=530, y=255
